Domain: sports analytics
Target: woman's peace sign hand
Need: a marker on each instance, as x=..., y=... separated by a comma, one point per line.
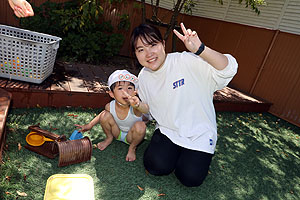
x=189, y=38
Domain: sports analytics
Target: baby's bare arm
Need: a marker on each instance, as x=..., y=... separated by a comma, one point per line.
x=89, y=126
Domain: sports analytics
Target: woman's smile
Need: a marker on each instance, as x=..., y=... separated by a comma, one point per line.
x=151, y=56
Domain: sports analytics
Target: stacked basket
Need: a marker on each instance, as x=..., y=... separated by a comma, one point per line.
x=26, y=55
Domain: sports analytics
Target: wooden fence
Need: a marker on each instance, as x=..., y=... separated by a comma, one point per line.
x=269, y=64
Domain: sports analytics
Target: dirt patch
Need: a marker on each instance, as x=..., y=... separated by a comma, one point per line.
x=63, y=71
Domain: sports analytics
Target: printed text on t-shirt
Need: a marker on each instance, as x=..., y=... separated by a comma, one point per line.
x=178, y=83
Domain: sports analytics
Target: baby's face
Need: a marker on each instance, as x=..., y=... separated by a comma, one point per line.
x=119, y=94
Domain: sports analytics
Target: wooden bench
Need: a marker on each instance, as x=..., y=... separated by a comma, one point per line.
x=5, y=98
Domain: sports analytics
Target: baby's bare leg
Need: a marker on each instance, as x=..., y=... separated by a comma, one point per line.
x=109, y=127
x=135, y=135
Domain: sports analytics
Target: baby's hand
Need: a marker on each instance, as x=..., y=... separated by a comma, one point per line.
x=82, y=128
x=133, y=100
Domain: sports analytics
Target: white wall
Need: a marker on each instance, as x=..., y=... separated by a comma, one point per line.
x=277, y=14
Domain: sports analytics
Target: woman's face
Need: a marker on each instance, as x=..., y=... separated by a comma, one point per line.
x=151, y=56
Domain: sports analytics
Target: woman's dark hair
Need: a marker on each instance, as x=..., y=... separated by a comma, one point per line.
x=148, y=34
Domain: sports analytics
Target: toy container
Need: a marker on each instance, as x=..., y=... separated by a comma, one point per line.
x=74, y=151
x=26, y=55
x=69, y=187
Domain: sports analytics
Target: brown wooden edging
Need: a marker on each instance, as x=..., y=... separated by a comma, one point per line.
x=5, y=99
x=69, y=85
x=233, y=100
x=29, y=99
x=241, y=106
x=82, y=85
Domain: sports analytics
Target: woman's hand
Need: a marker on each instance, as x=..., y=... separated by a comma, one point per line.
x=21, y=8
x=190, y=38
x=192, y=43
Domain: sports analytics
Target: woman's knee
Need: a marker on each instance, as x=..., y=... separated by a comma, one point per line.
x=157, y=165
x=192, y=167
x=190, y=178
x=161, y=156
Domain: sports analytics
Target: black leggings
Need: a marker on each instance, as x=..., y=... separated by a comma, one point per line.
x=162, y=157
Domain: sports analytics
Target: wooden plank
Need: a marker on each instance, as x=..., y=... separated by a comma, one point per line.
x=3, y=11
x=100, y=76
x=232, y=95
x=62, y=86
x=59, y=80
x=75, y=79
x=230, y=106
x=97, y=100
x=109, y=69
x=60, y=99
x=3, y=82
x=85, y=100
x=5, y=98
x=85, y=85
x=92, y=84
x=18, y=85
x=19, y=98
x=229, y=99
x=44, y=86
x=38, y=99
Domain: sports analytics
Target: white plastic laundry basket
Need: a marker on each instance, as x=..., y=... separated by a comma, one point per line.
x=26, y=55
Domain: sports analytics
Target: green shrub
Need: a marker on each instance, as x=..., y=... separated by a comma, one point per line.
x=85, y=37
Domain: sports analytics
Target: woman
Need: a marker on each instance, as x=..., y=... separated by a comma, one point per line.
x=179, y=88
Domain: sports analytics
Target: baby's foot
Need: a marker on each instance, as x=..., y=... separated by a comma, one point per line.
x=131, y=156
x=102, y=145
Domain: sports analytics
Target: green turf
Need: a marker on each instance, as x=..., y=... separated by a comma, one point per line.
x=257, y=157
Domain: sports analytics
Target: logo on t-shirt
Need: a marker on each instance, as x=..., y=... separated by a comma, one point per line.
x=178, y=83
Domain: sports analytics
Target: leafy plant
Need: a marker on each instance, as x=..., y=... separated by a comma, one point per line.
x=85, y=36
x=124, y=22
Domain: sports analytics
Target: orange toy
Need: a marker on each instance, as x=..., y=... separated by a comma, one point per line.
x=35, y=139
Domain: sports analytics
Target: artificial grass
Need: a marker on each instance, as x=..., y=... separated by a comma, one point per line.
x=257, y=157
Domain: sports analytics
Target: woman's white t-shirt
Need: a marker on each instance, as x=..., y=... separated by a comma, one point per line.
x=180, y=98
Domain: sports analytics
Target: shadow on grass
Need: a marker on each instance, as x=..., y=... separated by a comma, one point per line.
x=257, y=157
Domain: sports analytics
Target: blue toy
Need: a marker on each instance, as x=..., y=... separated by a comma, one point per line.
x=76, y=135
